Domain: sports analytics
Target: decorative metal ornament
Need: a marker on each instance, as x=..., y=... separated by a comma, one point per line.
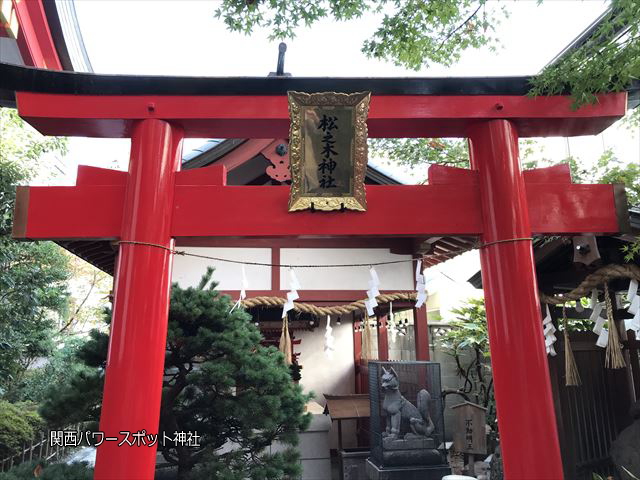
x=328, y=150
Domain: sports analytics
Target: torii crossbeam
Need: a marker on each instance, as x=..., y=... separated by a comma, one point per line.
x=154, y=202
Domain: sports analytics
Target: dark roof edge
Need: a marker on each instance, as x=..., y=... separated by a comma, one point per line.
x=20, y=78
x=213, y=154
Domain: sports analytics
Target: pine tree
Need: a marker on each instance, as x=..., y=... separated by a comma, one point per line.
x=219, y=382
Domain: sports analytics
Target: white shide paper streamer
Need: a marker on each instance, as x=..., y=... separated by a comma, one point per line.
x=421, y=286
x=243, y=290
x=373, y=292
x=292, y=294
x=634, y=308
x=391, y=324
x=603, y=338
x=329, y=341
x=549, y=331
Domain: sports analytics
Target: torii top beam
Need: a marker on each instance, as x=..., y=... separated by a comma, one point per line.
x=78, y=104
x=108, y=106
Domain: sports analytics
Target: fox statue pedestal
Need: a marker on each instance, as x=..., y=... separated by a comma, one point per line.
x=412, y=451
x=406, y=448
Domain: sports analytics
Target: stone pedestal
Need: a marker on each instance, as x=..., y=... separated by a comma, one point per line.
x=354, y=463
x=431, y=472
x=410, y=450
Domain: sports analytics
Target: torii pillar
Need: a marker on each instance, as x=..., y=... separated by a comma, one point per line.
x=154, y=203
x=138, y=337
x=516, y=340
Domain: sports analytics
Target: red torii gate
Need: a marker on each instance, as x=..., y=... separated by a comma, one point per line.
x=155, y=203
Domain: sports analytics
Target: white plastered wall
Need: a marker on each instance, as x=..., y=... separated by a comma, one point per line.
x=397, y=276
x=187, y=271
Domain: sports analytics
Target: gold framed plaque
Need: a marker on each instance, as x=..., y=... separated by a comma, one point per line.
x=328, y=150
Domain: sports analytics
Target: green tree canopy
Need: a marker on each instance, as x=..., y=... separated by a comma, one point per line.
x=416, y=33
x=33, y=276
x=412, y=34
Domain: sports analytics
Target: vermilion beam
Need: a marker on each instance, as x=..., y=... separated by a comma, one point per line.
x=526, y=418
x=93, y=209
x=85, y=211
x=268, y=117
x=137, y=343
x=34, y=36
x=262, y=211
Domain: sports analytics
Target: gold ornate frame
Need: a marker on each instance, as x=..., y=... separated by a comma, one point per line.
x=299, y=200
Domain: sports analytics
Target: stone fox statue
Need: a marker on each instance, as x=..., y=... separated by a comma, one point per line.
x=399, y=408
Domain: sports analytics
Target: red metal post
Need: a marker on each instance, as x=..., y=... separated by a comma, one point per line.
x=526, y=417
x=135, y=364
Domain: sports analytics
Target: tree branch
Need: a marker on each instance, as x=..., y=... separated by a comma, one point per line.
x=84, y=300
x=457, y=29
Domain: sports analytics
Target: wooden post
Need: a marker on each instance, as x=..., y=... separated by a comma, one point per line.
x=383, y=337
x=421, y=332
x=357, y=352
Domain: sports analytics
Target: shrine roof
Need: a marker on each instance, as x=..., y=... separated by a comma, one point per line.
x=215, y=149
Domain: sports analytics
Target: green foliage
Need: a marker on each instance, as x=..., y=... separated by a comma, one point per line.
x=420, y=151
x=219, y=382
x=609, y=61
x=469, y=330
x=33, y=276
x=21, y=145
x=467, y=341
x=412, y=33
x=57, y=471
x=415, y=34
x=420, y=33
x=232, y=467
x=78, y=397
x=35, y=382
x=19, y=423
x=632, y=250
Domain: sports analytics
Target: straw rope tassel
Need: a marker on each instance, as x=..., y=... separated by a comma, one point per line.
x=613, y=356
x=366, y=338
x=572, y=376
x=285, y=341
x=332, y=310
